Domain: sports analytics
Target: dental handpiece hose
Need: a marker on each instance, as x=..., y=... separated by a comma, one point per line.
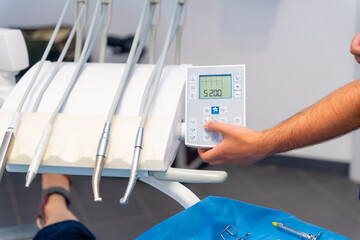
x=135, y=51
x=59, y=61
x=85, y=54
x=149, y=99
x=11, y=131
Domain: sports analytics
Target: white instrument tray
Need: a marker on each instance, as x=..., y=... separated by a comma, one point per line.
x=77, y=130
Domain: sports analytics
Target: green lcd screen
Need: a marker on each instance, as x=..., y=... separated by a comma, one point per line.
x=215, y=86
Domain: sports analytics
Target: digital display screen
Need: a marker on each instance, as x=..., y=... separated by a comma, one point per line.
x=215, y=86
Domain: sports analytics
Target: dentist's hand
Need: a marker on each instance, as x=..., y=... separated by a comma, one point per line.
x=355, y=47
x=240, y=145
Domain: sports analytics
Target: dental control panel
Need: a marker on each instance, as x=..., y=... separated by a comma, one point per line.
x=213, y=93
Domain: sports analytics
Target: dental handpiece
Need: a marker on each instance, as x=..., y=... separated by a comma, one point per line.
x=39, y=153
x=135, y=52
x=135, y=167
x=100, y=161
x=153, y=82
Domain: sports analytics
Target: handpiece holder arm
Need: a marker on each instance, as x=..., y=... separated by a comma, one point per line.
x=190, y=175
x=175, y=190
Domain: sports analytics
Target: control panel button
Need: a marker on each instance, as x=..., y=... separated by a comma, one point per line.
x=192, y=95
x=215, y=136
x=206, y=120
x=220, y=137
x=207, y=110
x=223, y=119
x=192, y=87
x=237, y=121
x=192, y=137
x=192, y=121
x=207, y=137
x=215, y=110
x=223, y=109
x=193, y=79
x=192, y=129
x=237, y=77
x=237, y=86
x=213, y=118
x=237, y=94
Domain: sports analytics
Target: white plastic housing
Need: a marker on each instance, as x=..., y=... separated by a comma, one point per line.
x=13, y=51
x=76, y=131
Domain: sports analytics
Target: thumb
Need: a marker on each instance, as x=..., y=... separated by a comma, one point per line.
x=218, y=127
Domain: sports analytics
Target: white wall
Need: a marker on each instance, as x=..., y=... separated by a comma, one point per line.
x=296, y=51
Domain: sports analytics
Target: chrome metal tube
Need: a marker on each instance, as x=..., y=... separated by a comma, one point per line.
x=298, y=233
x=295, y=232
x=5, y=149
x=134, y=167
x=104, y=140
x=7, y=141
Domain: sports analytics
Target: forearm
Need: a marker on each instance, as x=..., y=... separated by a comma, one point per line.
x=336, y=114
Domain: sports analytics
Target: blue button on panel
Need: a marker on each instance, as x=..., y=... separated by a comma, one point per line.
x=215, y=110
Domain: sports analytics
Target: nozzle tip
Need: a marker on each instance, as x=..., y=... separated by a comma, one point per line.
x=124, y=201
x=30, y=176
x=98, y=199
x=275, y=224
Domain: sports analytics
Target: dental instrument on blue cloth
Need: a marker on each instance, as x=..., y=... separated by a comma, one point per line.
x=213, y=93
x=60, y=59
x=89, y=44
x=233, y=232
x=134, y=55
x=246, y=236
x=13, y=126
x=296, y=232
x=148, y=98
